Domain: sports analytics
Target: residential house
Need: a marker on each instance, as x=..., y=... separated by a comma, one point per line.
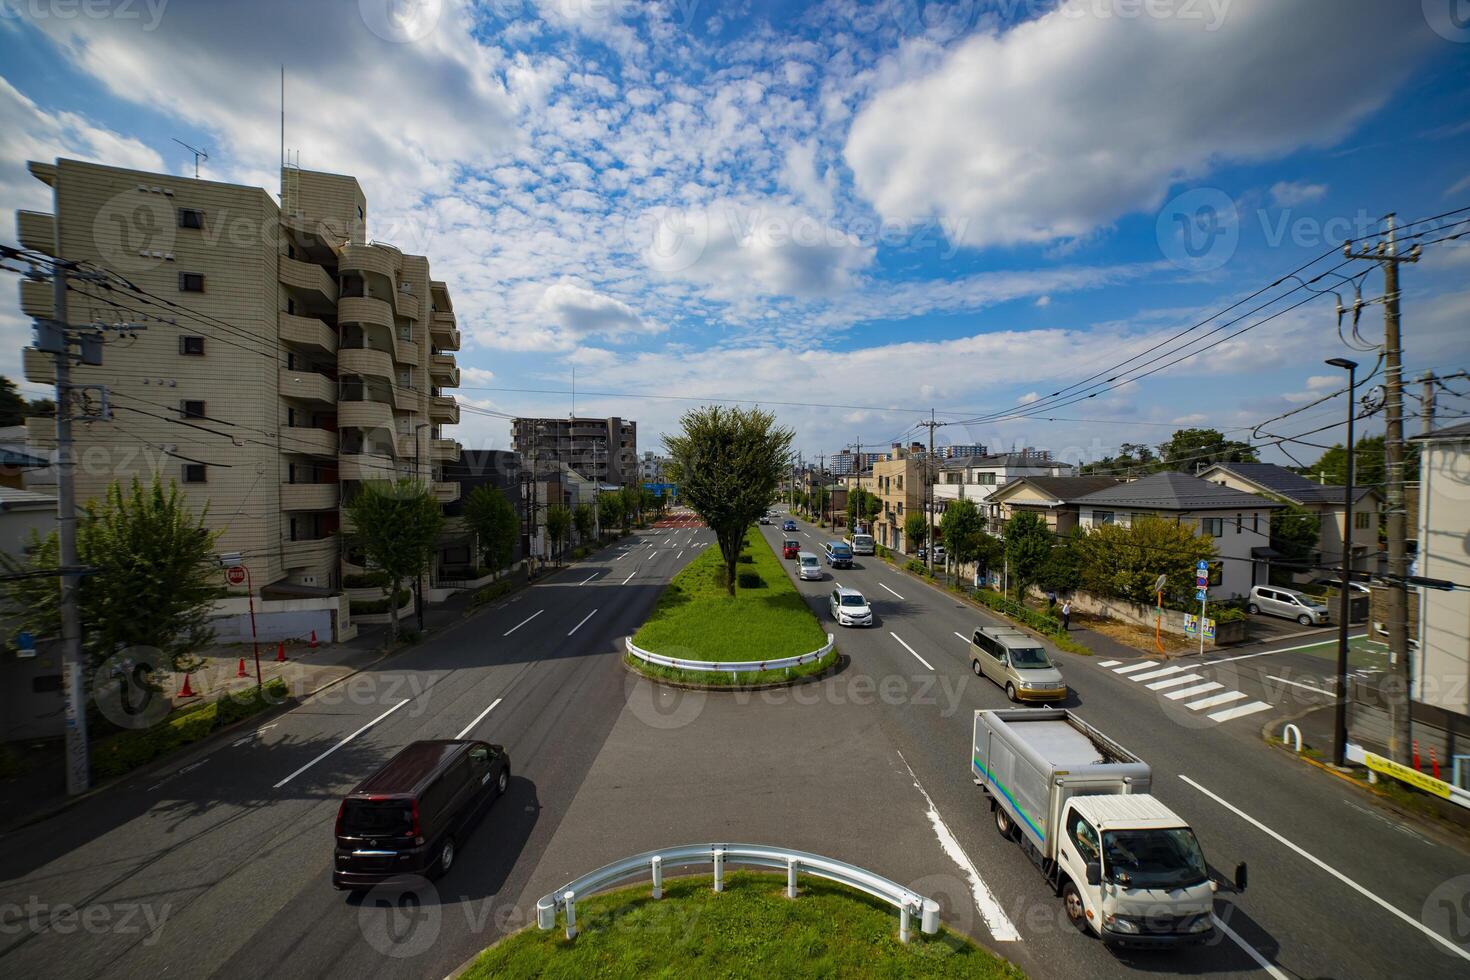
x=1053, y=497
x=1442, y=671
x=978, y=477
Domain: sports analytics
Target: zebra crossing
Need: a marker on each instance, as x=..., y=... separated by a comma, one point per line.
x=1179, y=683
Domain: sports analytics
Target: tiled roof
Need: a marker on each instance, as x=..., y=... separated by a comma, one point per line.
x=1066, y=488
x=1175, y=491
x=1461, y=431
x=1293, y=486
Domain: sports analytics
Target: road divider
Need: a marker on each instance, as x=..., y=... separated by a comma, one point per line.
x=730, y=666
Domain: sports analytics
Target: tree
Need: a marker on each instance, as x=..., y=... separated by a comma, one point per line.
x=558, y=526
x=856, y=506
x=1062, y=570
x=915, y=529
x=1124, y=561
x=609, y=510
x=632, y=502
x=1028, y=542
x=42, y=408
x=1369, y=463
x=962, y=526
x=585, y=520
x=397, y=526
x=1133, y=459
x=730, y=461
x=12, y=405
x=496, y=525
x=1189, y=450
x=158, y=579
x=820, y=497
x=1295, y=533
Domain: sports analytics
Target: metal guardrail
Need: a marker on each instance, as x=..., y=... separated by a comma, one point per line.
x=733, y=666
x=653, y=863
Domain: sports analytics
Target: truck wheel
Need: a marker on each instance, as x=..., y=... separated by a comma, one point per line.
x=1003, y=823
x=1011, y=691
x=975, y=666
x=1076, y=911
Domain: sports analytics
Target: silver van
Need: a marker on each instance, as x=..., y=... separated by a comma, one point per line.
x=807, y=565
x=1289, y=603
x=1017, y=662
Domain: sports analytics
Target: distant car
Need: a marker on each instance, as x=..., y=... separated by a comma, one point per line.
x=765, y=519
x=1274, y=600
x=790, y=548
x=849, y=607
x=788, y=525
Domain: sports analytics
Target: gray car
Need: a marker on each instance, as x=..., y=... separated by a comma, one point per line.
x=1273, y=600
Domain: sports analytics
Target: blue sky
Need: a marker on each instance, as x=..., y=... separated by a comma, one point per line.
x=884, y=206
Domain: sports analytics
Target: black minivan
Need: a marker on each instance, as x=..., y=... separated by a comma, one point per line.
x=403, y=823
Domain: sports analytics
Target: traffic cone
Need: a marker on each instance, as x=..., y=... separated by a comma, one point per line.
x=312, y=645
x=1433, y=762
x=1417, y=766
x=186, y=691
x=280, y=651
x=241, y=671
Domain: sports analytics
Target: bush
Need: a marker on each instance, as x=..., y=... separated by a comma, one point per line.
x=1228, y=614
x=883, y=552
x=750, y=580
x=117, y=754
x=493, y=591
x=372, y=607
x=1050, y=626
x=746, y=559
x=366, y=580
x=918, y=568
x=579, y=552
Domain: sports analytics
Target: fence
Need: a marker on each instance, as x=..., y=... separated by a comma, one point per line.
x=653, y=863
x=735, y=666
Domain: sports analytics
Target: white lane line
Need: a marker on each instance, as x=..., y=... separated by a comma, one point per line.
x=890, y=591
x=1250, y=950
x=1190, y=692
x=911, y=650
x=341, y=743
x=583, y=623
x=1162, y=672
x=1213, y=700
x=1446, y=943
x=1109, y=663
x=1141, y=665
x=478, y=718
x=630, y=576
x=1002, y=929
x=679, y=555
x=523, y=622
x=1240, y=711
x=1267, y=653
x=621, y=557
x=1309, y=687
x=589, y=578
x=1174, y=682
x=963, y=637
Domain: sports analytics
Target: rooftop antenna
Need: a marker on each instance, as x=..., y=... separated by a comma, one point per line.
x=198, y=155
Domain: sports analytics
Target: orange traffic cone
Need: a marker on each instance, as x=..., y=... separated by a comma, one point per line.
x=186, y=691
x=313, y=643
x=281, y=651
x=241, y=671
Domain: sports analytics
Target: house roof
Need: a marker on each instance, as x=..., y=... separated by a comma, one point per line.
x=1170, y=490
x=1064, y=488
x=13, y=499
x=1461, y=431
x=20, y=460
x=1283, y=482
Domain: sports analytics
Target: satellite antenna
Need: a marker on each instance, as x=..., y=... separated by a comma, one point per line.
x=198, y=155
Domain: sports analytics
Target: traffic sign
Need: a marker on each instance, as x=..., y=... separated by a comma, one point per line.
x=235, y=575
x=1200, y=595
x=1202, y=565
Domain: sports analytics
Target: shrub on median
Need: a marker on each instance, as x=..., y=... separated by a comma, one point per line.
x=124, y=751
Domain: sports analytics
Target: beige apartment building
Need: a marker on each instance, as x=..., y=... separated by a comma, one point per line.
x=286, y=359
x=899, y=479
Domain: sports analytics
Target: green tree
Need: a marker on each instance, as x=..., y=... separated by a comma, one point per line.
x=493, y=519
x=13, y=409
x=1124, y=561
x=41, y=408
x=1028, y=542
x=1062, y=570
x=855, y=507
x=158, y=576
x=731, y=460
x=1369, y=464
x=609, y=510
x=585, y=520
x=915, y=529
x=1133, y=459
x=1191, y=449
x=632, y=502
x=962, y=526
x=397, y=526
x=558, y=526
x=1295, y=532
x=820, y=499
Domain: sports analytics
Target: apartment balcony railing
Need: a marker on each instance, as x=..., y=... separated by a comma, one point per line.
x=35, y=299
x=36, y=230
x=365, y=414
x=370, y=259
x=443, y=408
x=308, y=496
x=38, y=366
x=363, y=466
x=445, y=450
x=310, y=442
x=446, y=492
x=307, y=333
x=443, y=331
x=308, y=386
x=444, y=370
x=366, y=361
x=308, y=277
x=365, y=309
x=303, y=554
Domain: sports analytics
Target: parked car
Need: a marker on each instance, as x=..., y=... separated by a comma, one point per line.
x=1336, y=583
x=790, y=548
x=807, y=566
x=789, y=525
x=406, y=821
x=849, y=607
x=838, y=554
x=1273, y=600
x=1017, y=662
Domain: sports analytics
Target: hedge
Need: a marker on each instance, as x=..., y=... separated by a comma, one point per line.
x=1025, y=615
x=120, y=753
x=371, y=607
x=366, y=580
x=495, y=590
x=918, y=568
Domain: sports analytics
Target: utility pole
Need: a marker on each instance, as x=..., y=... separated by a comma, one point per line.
x=1426, y=421
x=931, y=425
x=822, y=489
x=1400, y=736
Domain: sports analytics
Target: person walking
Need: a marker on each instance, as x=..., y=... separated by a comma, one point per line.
x=1066, y=615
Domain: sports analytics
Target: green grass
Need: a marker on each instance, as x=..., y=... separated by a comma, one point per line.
x=751, y=929
x=695, y=619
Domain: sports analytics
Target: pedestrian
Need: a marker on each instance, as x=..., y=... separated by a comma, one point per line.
x=1051, y=599
x=1066, y=615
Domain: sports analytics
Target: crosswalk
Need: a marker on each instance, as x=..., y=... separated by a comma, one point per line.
x=1179, y=683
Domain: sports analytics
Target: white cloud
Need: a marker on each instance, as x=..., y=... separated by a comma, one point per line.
x=1022, y=136
x=584, y=312
x=1043, y=301
x=1289, y=193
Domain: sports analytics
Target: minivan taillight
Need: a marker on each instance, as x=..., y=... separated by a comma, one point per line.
x=416, y=833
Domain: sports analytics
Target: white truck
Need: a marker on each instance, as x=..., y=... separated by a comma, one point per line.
x=1127, y=868
x=860, y=542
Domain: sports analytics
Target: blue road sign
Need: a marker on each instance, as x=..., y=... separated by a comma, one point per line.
x=1200, y=595
x=1202, y=565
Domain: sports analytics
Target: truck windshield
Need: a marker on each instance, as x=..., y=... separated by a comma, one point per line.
x=1153, y=858
x=1029, y=657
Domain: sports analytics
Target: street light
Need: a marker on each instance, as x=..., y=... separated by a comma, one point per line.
x=1339, y=748
x=419, y=585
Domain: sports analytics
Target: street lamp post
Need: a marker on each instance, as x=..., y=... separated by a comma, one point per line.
x=1339, y=748
x=419, y=585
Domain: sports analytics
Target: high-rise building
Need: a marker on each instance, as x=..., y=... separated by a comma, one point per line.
x=286, y=358
x=954, y=451
x=602, y=450
x=651, y=468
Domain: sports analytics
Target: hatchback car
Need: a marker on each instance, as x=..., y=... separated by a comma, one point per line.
x=765, y=519
x=1289, y=603
x=789, y=525
x=849, y=607
x=405, y=822
x=790, y=548
x=807, y=566
x=1016, y=662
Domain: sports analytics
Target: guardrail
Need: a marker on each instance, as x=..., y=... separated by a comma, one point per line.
x=653, y=863
x=733, y=666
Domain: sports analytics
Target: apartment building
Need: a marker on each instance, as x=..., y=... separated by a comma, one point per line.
x=963, y=451
x=286, y=357
x=846, y=461
x=600, y=450
x=1442, y=668
x=652, y=468
x=976, y=478
x=899, y=480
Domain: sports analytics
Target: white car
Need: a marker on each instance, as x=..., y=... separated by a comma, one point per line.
x=807, y=566
x=849, y=607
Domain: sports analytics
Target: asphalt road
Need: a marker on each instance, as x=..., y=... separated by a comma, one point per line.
x=1338, y=887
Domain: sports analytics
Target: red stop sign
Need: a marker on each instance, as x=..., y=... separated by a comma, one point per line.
x=235, y=575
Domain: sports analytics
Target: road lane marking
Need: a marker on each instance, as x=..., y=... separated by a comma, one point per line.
x=1002, y=929
x=341, y=743
x=1190, y=692
x=911, y=650
x=1300, y=684
x=590, y=578
x=1267, y=653
x=621, y=557
x=523, y=622
x=581, y=624
x=679, y=555
x=630, y=576
x=1240, y=711
x=890, y=591
x=1250, y=950
x=1141, y=665
x=1174, y=682
x=1446, y=943
x=1162, y=672
x=1215, y=699
x=963, y=637
x=478, y=718
x=1110, y=663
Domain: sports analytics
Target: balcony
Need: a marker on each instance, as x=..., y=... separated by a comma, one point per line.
x=365, y=414
x=443, y=408
x=307, y=277
x=405, y=351
x=445, y=450
x=365, y=309
x=305, y=554
x=35, y=299
x=407, y=304
x=444, y=370
x=445, y=492
x=361, y=466
x=308, y=386
x=372, y=259
x=307, y=333
x=443, y=332
x=308, y=496
x=39, y=367
x=365, y=362
x=36, y=230
x=407, y=400
x=309, y=442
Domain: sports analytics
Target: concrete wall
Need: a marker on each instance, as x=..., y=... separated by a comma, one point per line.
x=1443, y=668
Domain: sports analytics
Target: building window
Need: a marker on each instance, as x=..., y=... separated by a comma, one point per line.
x=1213, y=526
x=1362, y=520
x=1217, y=574
x=1102, y=517
x=190, y=218
x=191, y=345
x=191, y=409
x=191, y=282
x=194, y=473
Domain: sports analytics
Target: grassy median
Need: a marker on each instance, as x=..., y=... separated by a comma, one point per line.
x=750, y=929
x=766, y=619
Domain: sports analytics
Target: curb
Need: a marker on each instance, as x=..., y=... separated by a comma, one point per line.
x=837, y=666
x=984, y=608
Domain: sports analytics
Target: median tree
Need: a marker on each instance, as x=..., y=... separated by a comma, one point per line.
x=157, y=576
x=1124, y=561
x=609, y=510
x=558, y=526
x=396, y=525
x=585, y=520
x=1028, y=543
x=495, y=523
x=730, y=461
